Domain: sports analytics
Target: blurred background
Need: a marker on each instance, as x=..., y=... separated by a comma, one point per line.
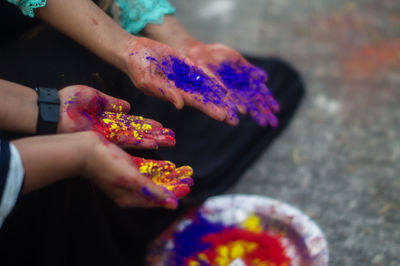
x=339, y=161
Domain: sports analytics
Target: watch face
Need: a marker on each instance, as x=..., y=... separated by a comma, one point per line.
x=241, y=230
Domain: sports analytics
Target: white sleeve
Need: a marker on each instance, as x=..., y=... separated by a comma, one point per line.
x=15, y=177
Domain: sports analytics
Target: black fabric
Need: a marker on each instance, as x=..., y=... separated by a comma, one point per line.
x=72, y=223
x=4, y=165
x=13, y=22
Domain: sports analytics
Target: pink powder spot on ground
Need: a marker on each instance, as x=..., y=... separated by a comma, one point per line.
x=373, y=58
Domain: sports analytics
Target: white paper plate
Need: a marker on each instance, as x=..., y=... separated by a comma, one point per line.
x=303, y=240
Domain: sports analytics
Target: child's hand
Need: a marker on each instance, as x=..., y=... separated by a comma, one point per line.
x=114, y=172
x=166, y=175
x=83, y=108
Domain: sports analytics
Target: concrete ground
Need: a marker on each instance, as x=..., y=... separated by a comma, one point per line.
x=339, y=159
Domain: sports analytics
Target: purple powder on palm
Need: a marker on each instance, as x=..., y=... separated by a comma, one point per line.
x=244, y=86
x=247, y=84
x=193, y=80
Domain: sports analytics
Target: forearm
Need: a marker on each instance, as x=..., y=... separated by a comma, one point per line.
x=18, y=108
x=48, y=159
x=89, y=25
x=172, y=32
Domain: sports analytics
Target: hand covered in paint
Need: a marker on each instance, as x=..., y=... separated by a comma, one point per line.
x=113, y=171
x=245, y=83
x=84, y=108
x=166, y=175
x=160, y=71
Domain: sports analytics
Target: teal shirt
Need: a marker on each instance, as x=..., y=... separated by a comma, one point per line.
x=27, y=6
x=132, y=15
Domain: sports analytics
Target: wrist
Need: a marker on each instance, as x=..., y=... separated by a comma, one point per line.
x=125, y=52
x=84, y=143
x=120, y=52
x=34, y=114
x=49, y=159
x=87, y=144
x=171, y=32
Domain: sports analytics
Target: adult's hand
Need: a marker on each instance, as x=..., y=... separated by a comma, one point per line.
x=83, y=108
x=246, y=84
x=160, y=71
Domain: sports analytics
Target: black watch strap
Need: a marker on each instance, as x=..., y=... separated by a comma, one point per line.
x=49, y=111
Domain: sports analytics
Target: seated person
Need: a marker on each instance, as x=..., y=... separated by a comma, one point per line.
x=87, y=227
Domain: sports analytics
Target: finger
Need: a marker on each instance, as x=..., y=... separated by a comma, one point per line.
x=113, y=104
x=266, y=111
x=187, y=180
x=132, y=142
x=163, y=132
x=181, y=172
x=169, y=203
x=149, y=167
x=164, y=90
x=145, y=199
x=151, y=190
x=152, y=123
x=239, y=100
x=264, y=118
x=164, y=141
x=197, y=101
x=174, y=97
x=232, y=118
x=253, y=71
x=259, y=118
x=181, y=190
x=270, y=100
x=166, y=199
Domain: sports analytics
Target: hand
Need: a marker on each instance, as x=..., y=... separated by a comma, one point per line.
x=245, y=83
x=83, y=108
x=166, y=175
x=118, y=176
x=162, y=72
x=52, y=158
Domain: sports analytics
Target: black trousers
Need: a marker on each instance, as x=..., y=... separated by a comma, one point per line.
x=71, y=222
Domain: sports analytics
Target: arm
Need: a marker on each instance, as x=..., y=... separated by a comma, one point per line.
x=87, y=24
x=82, y=108
x=49, y=159
x=245, y=83
x=12, y=116
x=171, y=32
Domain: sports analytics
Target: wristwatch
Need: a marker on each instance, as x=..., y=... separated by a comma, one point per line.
x=49, y=110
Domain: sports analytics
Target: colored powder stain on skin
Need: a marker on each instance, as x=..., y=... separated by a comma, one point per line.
x=244, y=87
x=193, y=80
x=166, y=175
x=246, y=84
x=209, y=243
x=119, y=127
x=147, y=193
